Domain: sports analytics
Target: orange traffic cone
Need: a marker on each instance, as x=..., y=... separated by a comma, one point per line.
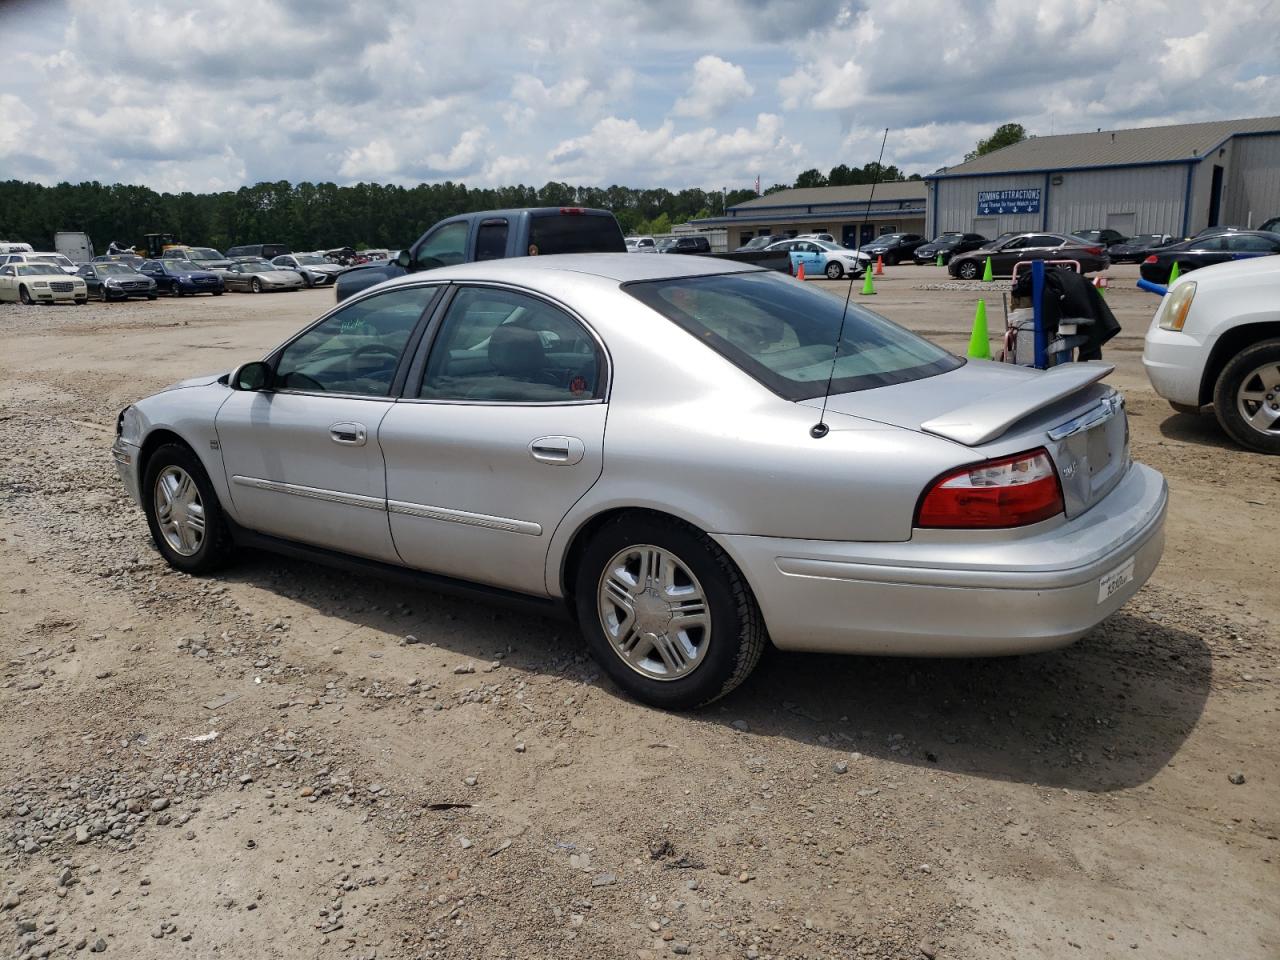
x=800, y=272
x=879, y=265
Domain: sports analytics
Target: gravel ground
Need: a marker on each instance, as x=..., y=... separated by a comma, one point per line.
x=284, y=761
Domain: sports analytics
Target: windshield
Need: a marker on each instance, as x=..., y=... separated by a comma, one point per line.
x=827, y=245
x=310, y=260
x=55, y=258
x=889, y=238
x=256, y=266
x=783, y=333
x=757, y=243
x=114, y=270
x=947, y=239
x=31, y=270
x=179, y=266
x=205, y=253
x=1147, y=239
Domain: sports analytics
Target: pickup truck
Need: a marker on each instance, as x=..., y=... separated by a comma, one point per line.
x=494, y=235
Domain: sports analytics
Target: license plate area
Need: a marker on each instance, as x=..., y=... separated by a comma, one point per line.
x=1110, y=583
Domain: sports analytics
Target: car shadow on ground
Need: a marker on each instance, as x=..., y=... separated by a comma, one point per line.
x=1200, y=429
x=1106, y=713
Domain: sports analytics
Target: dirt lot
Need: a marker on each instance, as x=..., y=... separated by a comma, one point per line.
x=262, y=765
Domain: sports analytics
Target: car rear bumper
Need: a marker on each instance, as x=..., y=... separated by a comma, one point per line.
x=959, y=596
x=1174, y=363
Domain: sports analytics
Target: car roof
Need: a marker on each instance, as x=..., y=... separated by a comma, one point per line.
x=621, y=267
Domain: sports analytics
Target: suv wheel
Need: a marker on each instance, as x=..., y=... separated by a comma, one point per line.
x=1246, y=398
x=666, y=613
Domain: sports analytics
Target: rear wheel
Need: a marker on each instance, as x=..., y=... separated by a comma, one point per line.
x=968, y=270
x=1246, y=397
x=666, y=613
x=834, y=271
x=183, y=512
x=176, y=290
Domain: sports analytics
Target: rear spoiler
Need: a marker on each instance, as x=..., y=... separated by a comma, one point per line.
x=991, y=416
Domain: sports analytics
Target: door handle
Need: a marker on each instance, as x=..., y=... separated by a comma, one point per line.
x=564, y=451
x=349, y=433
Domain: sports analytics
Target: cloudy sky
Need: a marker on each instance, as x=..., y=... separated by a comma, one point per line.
x=216, y=94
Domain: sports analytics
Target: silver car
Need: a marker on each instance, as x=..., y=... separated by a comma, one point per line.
x=314, y=268
x=646, y=442
x=255, y=275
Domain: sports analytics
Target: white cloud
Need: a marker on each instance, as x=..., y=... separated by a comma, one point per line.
x=716, y=84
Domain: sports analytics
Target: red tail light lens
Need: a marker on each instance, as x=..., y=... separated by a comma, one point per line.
x=1010, y=492
x=1150, y=259
x=1095, y=251
x=572, y=211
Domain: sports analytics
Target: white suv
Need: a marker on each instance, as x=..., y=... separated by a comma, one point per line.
x=1216, y=340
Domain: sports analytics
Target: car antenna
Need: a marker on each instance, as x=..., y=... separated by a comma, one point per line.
x=820, y=429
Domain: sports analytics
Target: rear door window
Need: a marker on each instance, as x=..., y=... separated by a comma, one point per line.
x=491, y=240
x=574, y=233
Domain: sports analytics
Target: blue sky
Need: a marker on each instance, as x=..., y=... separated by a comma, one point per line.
x=670, y=93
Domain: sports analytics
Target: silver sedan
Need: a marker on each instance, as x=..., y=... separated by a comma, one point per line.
x=260, y=276
x=647, y=443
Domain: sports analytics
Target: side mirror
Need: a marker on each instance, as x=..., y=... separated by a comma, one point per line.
x=404, y=259
x=252, y=377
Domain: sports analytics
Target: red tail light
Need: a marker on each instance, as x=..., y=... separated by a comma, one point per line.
x=1150, y=259
x=1010, y=492
x=1095, y=251
x=572, y=211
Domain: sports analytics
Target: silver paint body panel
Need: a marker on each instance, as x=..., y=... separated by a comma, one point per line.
x=822, y=529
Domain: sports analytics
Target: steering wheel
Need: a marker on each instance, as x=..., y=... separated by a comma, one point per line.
x=368, y=349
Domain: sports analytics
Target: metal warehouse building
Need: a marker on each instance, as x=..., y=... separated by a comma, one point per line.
x=839, y=211
x=1177, y=180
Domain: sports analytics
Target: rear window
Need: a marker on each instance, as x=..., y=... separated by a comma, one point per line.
x=783, y=333
x=576, y=233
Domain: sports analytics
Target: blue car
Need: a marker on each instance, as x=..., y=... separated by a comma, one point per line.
x=180, y=278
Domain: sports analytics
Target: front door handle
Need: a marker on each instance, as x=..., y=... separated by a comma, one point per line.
x=349, y=433
x=564, y=451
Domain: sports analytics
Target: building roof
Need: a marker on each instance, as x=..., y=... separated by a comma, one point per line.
x=806, y=196
x=1111, y=148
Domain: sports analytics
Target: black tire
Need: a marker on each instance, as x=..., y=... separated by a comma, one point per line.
x=217, y=293
x=81, y=301
x=968, y=270
x=25, y=296
x=1238, y=374
x=216, y=548
x=834, y=270
x=256, y=285
x=738, y=634
x=176, y=290
x=151, y=296
x=102, y=293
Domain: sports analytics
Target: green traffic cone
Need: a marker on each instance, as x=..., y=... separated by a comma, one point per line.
x=939, y=259
x=986, y=272
x=868, y=288
x=1173, y=274
x=979, y=347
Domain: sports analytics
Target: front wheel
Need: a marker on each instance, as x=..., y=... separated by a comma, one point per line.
x=183, y=512
x=968, y=270
x=217, y=293
x=151, y=296
x=102, y=294
x=1246, y=397
x=25, y=296
x=176, y=290
x=256, y=286
x=834, y=271
x=666, y=613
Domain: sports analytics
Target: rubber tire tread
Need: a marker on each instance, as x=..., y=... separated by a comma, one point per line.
x=218, y=546
x=1224, y=396
x=753, y=636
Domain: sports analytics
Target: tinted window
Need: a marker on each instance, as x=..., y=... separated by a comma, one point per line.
x=506, y=346
x=491, y=240
x=575, y=233
x=1251, y=244
x=1044, y=240
x=445, y=247
x=784, y=333
x=356, y=349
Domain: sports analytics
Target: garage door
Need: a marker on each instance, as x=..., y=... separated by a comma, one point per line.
x=1124, y=223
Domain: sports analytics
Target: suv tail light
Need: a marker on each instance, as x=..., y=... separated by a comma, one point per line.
x=1150, y=259
x=1009, y=492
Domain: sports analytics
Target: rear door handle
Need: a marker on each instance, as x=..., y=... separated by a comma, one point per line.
x=349, y=433
x=564, y=451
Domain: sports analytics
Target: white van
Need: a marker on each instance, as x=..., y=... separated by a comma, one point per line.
x=76, y=247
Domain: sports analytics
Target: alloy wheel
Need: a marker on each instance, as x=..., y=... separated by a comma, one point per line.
x=654, y=612
x=179, y=511
x=1258, y=399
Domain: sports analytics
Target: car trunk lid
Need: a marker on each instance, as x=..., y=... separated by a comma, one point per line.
x=999, y=409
